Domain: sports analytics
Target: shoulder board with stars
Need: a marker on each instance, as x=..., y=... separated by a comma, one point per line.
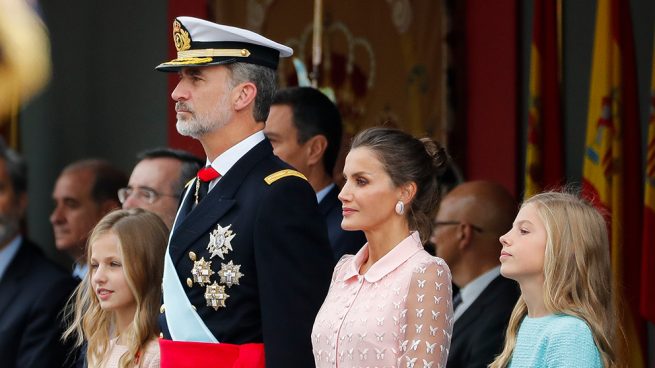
x=283, y=174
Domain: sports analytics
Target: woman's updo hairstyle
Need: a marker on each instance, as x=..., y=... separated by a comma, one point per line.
x=408, y=159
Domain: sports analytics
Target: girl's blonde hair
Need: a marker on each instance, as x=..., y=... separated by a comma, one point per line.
x=142, y=242
x=576, y=272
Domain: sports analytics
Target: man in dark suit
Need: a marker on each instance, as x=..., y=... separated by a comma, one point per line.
x=248, y=262
x=33, y=290
x=305, y=129
x=468, y=224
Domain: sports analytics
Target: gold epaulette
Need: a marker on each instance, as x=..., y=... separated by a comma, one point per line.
x=189, y=182
x=281, y=174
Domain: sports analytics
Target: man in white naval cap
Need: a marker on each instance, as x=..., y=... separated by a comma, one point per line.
x=248, y=262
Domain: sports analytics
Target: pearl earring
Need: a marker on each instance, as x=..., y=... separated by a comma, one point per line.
x=400, y=207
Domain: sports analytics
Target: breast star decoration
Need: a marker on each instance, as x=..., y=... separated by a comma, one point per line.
x=215, y=296
x=202, y=271
x=220, y=241
x=230, y=274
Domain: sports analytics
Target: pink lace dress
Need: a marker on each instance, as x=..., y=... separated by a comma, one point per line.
x=398, y=314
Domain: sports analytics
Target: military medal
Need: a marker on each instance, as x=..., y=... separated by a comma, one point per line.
x=202, y=271
x=215, y=295
x=219, y=241
x=230, y=274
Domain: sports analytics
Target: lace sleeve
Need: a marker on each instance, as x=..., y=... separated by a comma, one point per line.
x=429, y=317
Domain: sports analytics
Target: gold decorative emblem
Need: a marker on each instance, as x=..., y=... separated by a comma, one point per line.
x=202, y=271
x=180, y=37
x=230, y=274
x=215, y=296
x=219, y=241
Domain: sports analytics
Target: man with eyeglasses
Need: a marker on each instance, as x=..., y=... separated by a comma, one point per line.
x=468, y=224
x=158, y=180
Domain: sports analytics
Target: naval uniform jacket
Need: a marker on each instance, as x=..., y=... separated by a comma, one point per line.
x=342, y=241
x=33, y=291
x=281, y=246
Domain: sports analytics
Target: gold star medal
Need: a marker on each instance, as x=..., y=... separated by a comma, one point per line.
x=219, y=241
x=230, y=274
x=215, y=296
x=202, y=271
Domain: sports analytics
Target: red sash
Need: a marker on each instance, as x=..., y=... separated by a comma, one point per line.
x=183, y=354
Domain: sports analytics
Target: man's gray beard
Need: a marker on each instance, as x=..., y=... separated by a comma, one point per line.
x=191, y=128
x=198, y=126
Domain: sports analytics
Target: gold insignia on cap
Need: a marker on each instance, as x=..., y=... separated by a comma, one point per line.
x=181, y=37
x=188, y=61
x=202, y=271
x=230, y=274
x=282, y=174
x=204, y=53
x=215, y=296
x=220, y=241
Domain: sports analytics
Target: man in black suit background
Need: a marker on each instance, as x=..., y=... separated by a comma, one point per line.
x=248, y=262
x=33, y=290
x=305, y=129
x=468, y=224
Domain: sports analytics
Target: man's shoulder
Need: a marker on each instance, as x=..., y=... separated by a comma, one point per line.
x=31, y=259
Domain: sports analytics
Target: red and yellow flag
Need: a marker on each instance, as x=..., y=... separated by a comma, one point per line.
x=648, y=250
x=544, y=161
x=612, y=160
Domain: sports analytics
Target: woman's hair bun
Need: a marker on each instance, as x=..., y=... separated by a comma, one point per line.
x=440, y=158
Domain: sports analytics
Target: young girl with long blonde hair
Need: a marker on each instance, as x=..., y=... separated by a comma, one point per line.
x=558, y=252
x=116, y=305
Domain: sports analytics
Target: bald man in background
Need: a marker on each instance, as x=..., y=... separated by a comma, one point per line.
x=468, y=224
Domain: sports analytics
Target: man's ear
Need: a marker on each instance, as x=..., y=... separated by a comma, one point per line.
x=316, y=146
x=245, y=95
x=464, y=235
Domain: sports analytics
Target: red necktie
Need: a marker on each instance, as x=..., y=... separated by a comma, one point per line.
x=205, y=175
x=208, y=174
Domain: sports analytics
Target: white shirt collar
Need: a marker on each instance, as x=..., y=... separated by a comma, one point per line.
x=473, y=289
x=323, y=192
x=80, y=271
x=7, y=254
x=227, y=159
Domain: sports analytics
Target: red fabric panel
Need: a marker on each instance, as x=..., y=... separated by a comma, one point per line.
x=491, y=91
x=185, y=354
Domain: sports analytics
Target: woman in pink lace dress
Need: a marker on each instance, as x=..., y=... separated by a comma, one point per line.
x=389, y=305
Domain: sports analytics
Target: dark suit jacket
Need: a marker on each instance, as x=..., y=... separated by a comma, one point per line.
x=342, y=241
x=33, y=292
x=281, y=245
x=479, y=333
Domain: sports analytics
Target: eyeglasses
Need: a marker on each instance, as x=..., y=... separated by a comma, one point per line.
x=444, y=223
x=147, y=195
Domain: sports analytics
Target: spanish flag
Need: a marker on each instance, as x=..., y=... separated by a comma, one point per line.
x=544, y=162
x=648, y=252
x=612, y=159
